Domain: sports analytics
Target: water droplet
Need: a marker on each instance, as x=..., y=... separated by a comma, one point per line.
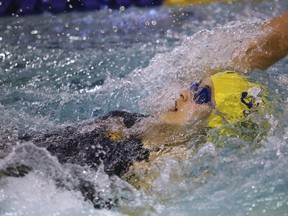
x=279, y=204
x=2, y=56
x=122, y=8
x=34, y=32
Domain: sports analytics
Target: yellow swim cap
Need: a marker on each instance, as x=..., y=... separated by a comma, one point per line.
x=235, y=97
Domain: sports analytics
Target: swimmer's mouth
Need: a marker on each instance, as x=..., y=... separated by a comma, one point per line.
x=175, y=108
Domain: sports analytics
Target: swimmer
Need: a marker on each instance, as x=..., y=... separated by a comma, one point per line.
x=129, y=144
x=215, y=102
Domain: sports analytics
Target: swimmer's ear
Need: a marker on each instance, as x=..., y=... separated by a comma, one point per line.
x=16, y=170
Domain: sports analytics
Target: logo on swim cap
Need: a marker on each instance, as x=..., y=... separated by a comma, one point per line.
x=235, y=97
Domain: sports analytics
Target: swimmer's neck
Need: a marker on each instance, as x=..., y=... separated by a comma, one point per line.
x=161, y=134
x=158, y=134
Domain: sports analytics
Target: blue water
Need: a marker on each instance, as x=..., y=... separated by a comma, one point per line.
x=70, y=68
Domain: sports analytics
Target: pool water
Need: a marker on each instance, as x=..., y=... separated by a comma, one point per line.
x=64, y=69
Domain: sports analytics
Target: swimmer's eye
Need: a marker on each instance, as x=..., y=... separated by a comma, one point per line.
x=202, y=95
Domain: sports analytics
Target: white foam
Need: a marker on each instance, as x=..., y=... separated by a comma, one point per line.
x=35, y=195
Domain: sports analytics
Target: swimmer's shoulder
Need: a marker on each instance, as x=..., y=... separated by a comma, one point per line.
x=99, y=125
x=129, y=119
x=101, y=141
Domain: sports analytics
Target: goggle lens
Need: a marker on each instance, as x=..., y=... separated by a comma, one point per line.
x=202, y=95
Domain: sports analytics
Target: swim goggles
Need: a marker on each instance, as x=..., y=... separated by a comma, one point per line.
x=202, y=95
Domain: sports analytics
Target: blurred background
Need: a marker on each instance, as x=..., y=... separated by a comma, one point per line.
x=24, y=7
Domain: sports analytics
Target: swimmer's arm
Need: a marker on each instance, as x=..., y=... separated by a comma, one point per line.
x=265, y=50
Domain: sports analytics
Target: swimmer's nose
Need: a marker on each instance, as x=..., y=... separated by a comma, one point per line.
x=185, y=95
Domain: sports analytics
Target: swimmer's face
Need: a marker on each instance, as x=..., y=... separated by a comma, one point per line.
x=193, y=104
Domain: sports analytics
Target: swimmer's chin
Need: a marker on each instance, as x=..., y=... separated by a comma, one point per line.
x=178, y=118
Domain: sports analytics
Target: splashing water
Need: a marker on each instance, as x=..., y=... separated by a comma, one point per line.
x=65, y=69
